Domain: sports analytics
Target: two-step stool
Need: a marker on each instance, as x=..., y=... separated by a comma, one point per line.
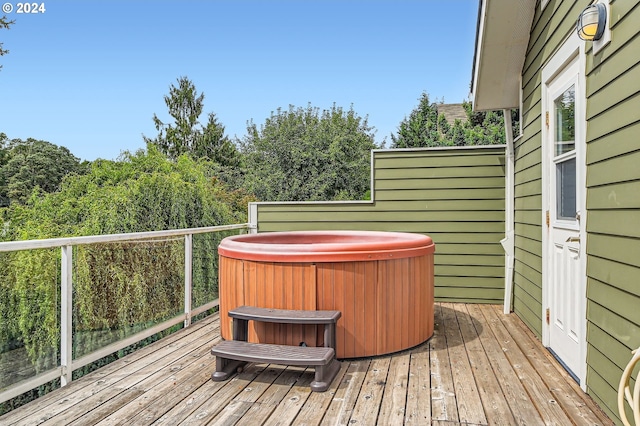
x=233, y=354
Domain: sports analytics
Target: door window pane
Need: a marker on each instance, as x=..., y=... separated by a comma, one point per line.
x=566, y=189
x=565, y=134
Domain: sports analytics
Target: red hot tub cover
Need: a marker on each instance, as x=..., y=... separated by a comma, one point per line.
x=325, y=246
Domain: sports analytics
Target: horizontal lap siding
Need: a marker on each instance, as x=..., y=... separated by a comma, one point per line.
x=456, y=196
x=551, y=26
x=613, y=188
x=613, y=204
x=527, y=277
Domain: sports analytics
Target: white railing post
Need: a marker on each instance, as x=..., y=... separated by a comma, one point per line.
x=188, y=277
x=66, y=315
x=67, y=363
x=253, y=218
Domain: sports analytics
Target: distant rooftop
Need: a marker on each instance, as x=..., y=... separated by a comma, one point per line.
x=452, y=112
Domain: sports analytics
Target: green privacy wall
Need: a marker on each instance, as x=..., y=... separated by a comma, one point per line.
x=454, y=195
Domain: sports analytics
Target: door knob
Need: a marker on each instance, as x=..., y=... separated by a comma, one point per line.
x=573, y=240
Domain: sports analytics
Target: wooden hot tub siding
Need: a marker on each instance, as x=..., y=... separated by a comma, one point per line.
x=386, y=305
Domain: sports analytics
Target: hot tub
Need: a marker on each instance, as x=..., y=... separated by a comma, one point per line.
x=382, y=282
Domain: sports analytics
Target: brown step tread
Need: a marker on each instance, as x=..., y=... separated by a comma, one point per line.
x=275, y=354
x=284, y=316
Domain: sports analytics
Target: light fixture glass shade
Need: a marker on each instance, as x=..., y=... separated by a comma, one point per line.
x=591, y=22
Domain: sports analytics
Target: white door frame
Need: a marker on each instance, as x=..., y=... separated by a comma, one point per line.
x=571, y=49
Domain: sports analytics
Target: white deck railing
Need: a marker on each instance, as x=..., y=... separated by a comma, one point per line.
x=67, y=363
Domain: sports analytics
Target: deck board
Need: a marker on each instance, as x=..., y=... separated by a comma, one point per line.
x=496, y=406
x=418, y=409
x=521, y=406
x=565, y=390
x=481, y=367
x=468, y=401
x=368, y=404
x=341, y=407
x=443, y=397
x=394, y=399
x=549, y=410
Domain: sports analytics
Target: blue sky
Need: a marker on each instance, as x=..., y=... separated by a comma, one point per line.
x=89, y=75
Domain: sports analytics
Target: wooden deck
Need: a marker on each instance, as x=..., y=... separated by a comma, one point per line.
x=480, y=368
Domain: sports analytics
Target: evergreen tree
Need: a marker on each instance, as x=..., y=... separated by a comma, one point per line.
x=4, y=24
x=420, y=129
x=186, y=135
x=426, y=127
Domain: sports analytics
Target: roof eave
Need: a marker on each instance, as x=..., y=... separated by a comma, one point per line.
x=502, y=37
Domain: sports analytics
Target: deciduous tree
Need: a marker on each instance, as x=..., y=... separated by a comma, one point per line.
x=33, y=164
x=117, y=285
x=303, y=154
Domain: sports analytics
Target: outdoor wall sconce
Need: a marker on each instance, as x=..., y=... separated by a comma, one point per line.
x=591, y=22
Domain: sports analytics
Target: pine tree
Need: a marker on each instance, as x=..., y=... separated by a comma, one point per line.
x=186, y=135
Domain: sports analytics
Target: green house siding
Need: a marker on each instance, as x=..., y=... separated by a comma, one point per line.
x=613, y=189
x=527, y=290
x=454, y=195
x=551, y=26
x=613, y=204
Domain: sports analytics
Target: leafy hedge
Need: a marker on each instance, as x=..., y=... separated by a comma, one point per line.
x=117, y=286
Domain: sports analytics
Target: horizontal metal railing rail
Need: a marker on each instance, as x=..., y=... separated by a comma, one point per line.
x=67, y=363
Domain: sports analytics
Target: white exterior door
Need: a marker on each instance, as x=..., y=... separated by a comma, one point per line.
x=564, y=187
